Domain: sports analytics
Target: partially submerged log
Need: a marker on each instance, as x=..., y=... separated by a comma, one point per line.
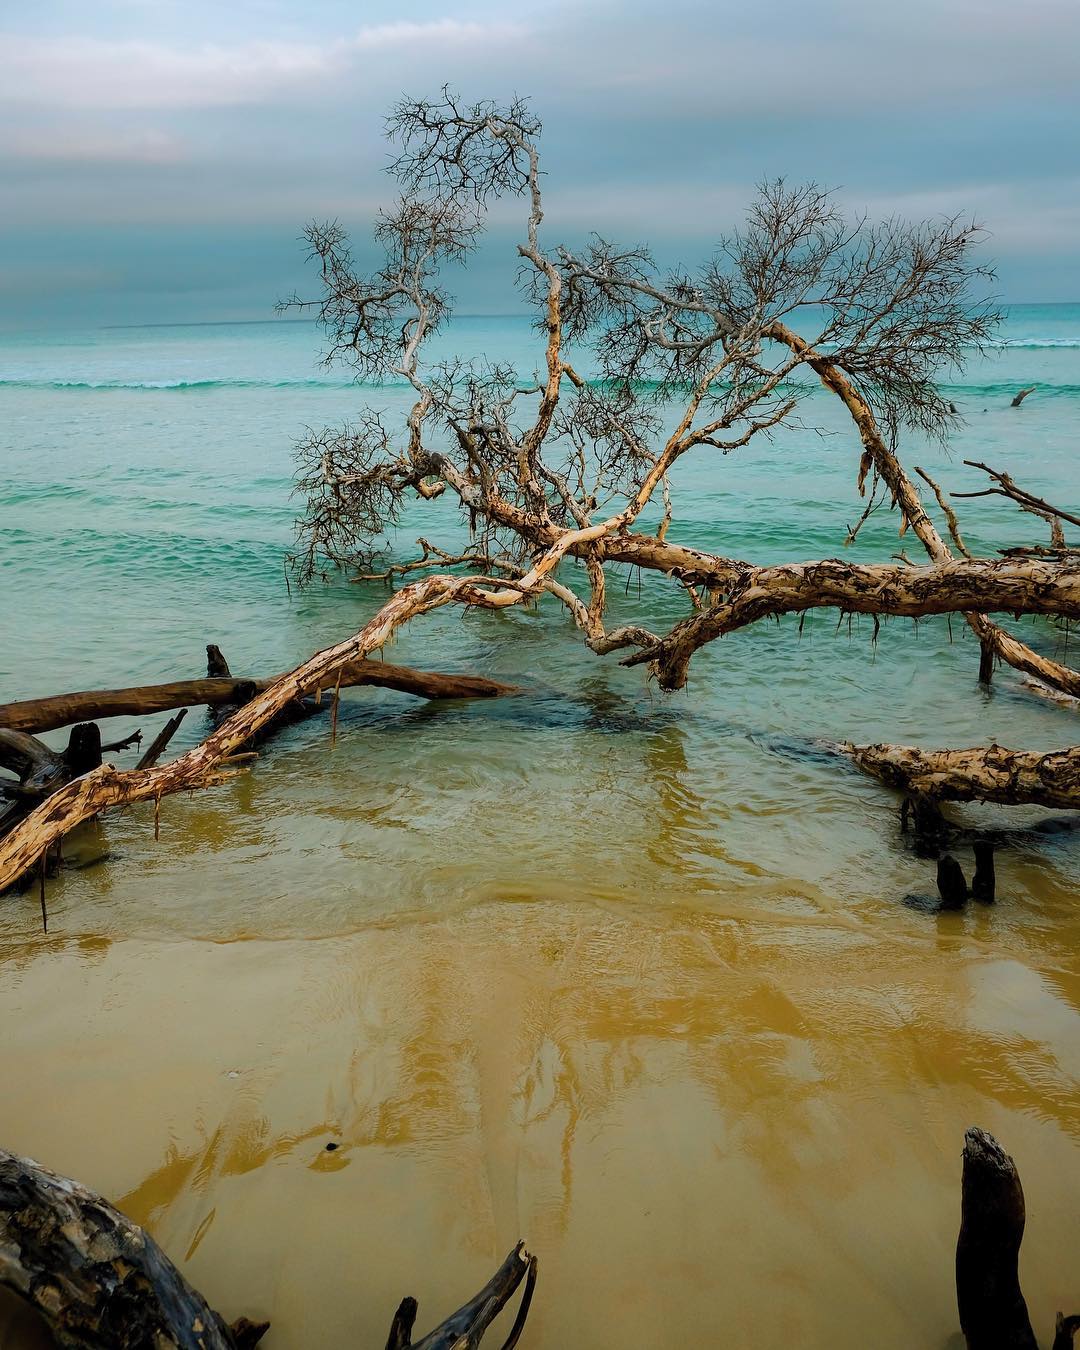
x=100, y=1282
x=973, y=586
x=157, y=746
x=988, y=774
x=59, y=710
x=464, y=1329
x=202, y=766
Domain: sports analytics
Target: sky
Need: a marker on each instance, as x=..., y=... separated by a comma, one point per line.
x=158, y=158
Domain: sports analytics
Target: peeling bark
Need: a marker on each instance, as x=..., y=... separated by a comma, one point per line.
x=986, y=774
x=977, y=586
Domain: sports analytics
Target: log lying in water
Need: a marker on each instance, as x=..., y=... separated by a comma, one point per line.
x=977, y=586
x=100, y=1282
x=988, y=774
x=204, y=765
x=60, y=710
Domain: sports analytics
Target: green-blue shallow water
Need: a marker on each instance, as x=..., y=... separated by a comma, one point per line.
x=519, y=956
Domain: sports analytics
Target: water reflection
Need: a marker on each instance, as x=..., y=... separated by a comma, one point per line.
x=750, y=1121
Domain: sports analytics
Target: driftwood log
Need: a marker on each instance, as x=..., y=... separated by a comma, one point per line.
x=60, y=710
x=206, y=764
x=100, y=1282
x=989, y=773
x=993, y=1313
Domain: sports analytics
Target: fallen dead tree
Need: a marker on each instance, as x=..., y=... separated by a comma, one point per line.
x=103, y=786
x=100, y=1282
x=561, y=468
x=60, y=710
x=564, y=465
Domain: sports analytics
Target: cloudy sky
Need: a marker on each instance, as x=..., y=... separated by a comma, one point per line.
x=158, y=157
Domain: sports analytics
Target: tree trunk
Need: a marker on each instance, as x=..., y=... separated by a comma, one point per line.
x=988, y=774
x=200, y=767
x=58, y=710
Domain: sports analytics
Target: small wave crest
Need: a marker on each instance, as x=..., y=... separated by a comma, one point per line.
x=1034, y=343
x=180, y=386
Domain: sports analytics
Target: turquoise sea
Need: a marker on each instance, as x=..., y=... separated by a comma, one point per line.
x=511, y=953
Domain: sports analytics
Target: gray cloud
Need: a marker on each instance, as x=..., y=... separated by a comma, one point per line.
x=154, y=114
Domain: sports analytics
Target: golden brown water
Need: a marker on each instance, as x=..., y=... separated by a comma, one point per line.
x=719, y=1115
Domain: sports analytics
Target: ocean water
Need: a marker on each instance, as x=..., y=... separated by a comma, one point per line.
x=625, y=973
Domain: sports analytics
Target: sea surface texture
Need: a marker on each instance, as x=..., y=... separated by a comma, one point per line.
x=625, y=974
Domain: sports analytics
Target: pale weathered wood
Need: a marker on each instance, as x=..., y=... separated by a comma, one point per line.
x=983, y=773
x=974, y=586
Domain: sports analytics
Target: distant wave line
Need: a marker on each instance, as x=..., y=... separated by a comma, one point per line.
x=182, y=385
x=957, y=388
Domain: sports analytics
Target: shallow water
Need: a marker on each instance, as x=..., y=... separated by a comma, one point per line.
x=627, y=975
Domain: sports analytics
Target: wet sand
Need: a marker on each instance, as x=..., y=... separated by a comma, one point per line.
x=741, y=1122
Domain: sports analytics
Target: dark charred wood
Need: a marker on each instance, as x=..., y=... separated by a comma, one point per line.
x=1064, y=1331
x=128, y=741
x=993, y=1314
x=216, y=665
x=161, y=740
x=401, y=1328
x=950, y=883
x=464, y=1329
x=83, y=751
x=98, y=1281
x=984, y=882
x=987, y=656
